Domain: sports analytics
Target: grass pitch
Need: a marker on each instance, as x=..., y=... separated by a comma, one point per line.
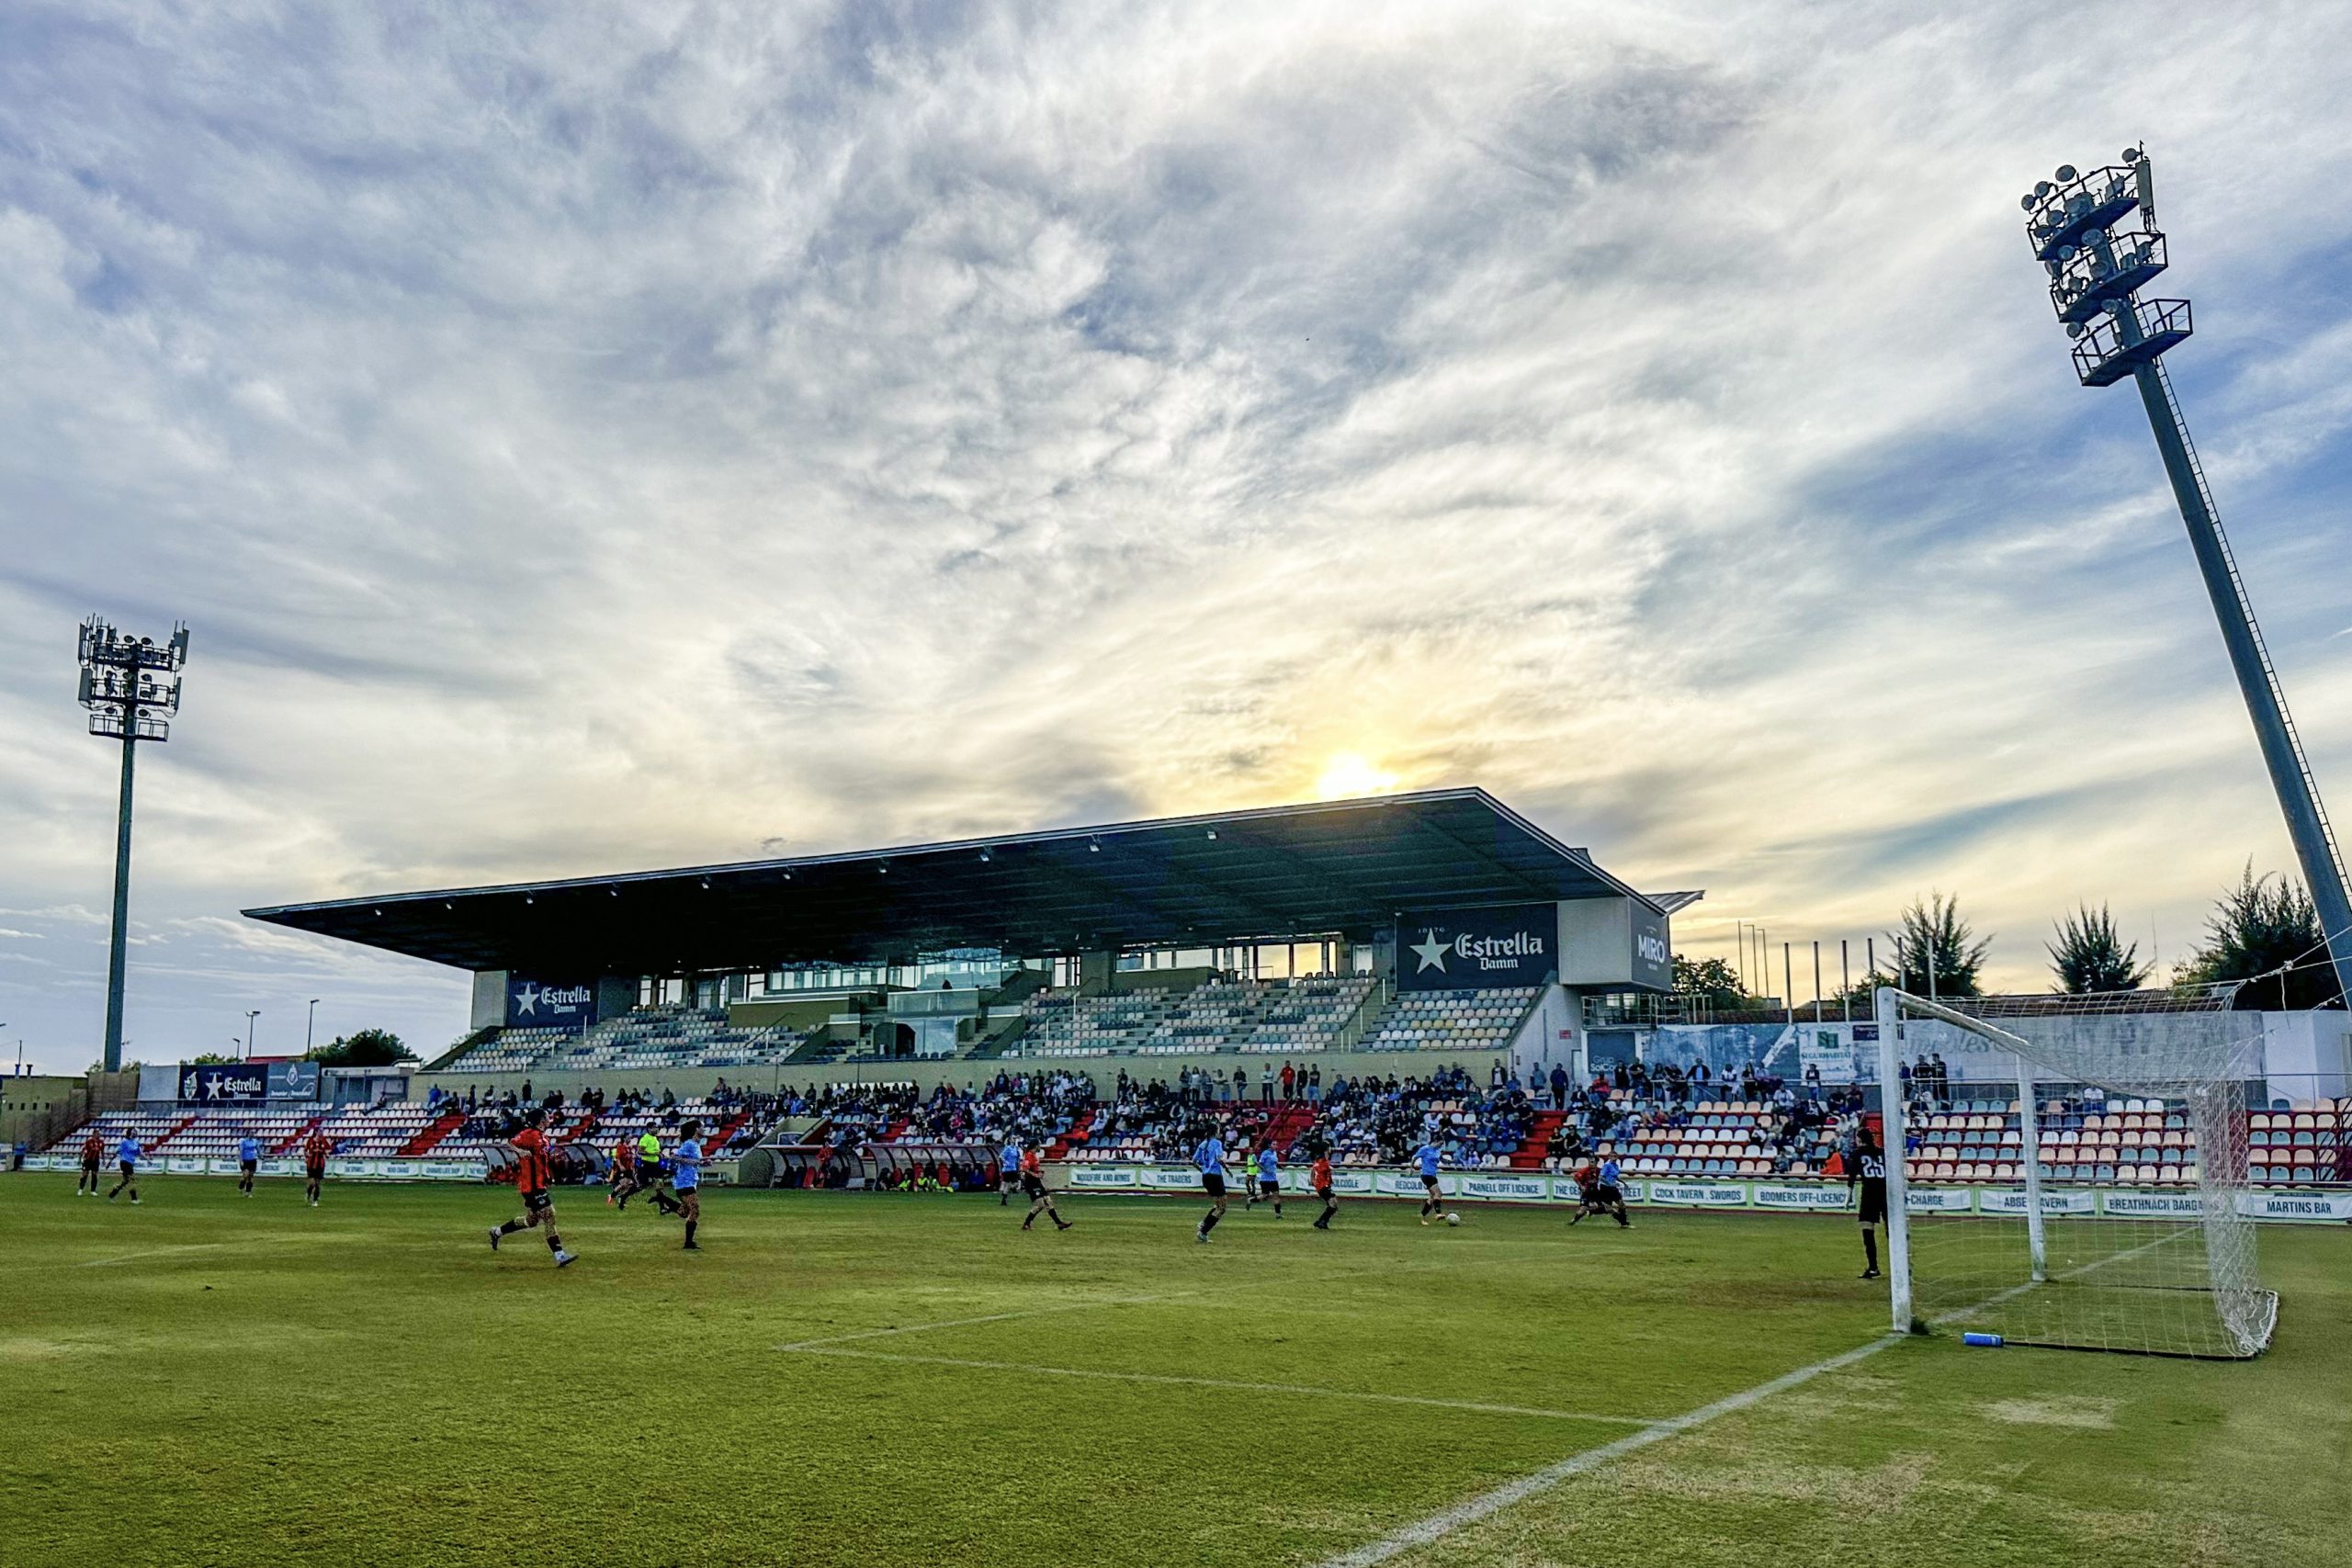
x=888, y=1381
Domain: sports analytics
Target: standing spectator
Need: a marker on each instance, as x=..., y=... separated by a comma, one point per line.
x=1290, y=1082
x=1559, y=1087
x=1315, y=1084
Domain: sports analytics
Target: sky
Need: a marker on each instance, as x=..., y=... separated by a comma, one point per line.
x=595, y=439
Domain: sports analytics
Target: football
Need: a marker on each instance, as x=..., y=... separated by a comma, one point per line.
x=1453, y=1219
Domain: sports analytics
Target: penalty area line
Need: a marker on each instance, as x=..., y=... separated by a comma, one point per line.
x=1437, y=1526
x=1235, y=1384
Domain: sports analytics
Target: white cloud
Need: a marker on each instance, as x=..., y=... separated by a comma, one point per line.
x=609, y=440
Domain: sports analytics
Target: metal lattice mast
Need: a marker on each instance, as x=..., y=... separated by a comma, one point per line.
x=132, y=688
x=2096, y=272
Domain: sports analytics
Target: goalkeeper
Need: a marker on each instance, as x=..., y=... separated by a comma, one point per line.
x=1866, y=1180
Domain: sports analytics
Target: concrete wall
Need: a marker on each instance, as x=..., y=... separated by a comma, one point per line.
x=489, y=1009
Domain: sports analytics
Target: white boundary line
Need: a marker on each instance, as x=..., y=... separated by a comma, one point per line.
x=1235, y=1384
x=968, y=1321
x=1421, y=1532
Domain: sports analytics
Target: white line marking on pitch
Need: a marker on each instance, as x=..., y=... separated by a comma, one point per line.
x=1421, y=1532
x=206, y=1247
x=1999, y=1297
x=1233, y=1383
x=968, y=1321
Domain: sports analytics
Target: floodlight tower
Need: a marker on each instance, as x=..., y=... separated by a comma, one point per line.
x=131, y=686
x=2096, y=272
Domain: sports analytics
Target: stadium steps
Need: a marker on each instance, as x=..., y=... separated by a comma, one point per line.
x=1076, y=1138
x=1529, y=1156
x=173, y=1131
x=293, y=1140
x=817, y=1049
x=992, y=1045
x=433, y=1132
x=1291, y=1121
x=450, y=1058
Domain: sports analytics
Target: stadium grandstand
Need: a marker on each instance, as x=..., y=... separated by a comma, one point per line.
x=1353, y=978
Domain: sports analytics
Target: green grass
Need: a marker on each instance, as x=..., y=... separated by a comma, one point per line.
x=205, y=1379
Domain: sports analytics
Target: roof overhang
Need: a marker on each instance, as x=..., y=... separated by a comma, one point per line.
x=1347, y=867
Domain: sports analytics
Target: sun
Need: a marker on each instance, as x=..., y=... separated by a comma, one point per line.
x=1349, y=774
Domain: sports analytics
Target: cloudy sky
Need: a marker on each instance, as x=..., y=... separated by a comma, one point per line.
x=658, y=433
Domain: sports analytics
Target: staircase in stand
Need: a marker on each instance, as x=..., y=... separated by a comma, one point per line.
x=433, y=1132
x=1076, y=1137
x=1292, y=1118
x=293, y=1140
x=156, y=1144
x=1529, y=1156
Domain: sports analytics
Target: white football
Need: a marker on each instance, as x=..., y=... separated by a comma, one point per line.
x=1453, y=1219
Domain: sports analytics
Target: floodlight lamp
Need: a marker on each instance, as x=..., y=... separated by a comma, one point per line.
x=2065, y=172
x=2075, y=329
x=2040, y=188
x=2026, y=201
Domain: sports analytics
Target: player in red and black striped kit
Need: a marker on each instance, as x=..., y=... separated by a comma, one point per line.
x=532, y=1180
x=94, y=1154
x=315, y=1149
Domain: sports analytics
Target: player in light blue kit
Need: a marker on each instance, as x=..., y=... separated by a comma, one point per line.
x=686, y=1179
x=127, y=1154
x=1270, y=1182
x=1008, y=1170
x=1427, y=1158
x=248, y=1162
x=1209, y=1156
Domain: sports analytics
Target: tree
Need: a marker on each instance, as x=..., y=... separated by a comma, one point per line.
x=1711, y=978
x=2089, y=956
x=363, y=1048
x=1934, y=938
x=2266, y=928
x=211, y=1060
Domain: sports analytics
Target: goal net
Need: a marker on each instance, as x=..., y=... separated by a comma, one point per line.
x=2075, y=1181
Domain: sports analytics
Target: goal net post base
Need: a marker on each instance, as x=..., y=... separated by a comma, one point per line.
x=2079, y=1185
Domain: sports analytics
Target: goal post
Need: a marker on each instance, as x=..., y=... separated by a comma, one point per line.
x=2096, y=1209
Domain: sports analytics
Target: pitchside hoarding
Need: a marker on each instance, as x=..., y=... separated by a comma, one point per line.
x=1456, y=950
x=531, y=1004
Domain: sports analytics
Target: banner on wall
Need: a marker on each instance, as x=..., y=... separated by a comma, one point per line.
x=2296, y=1205
x=532, y=1005
x=213, y=1083
x=1938, y=1200
x=2011, y=1200
x=1456, y=950
x=293, y=1080
x=1699, y=1194
x=1809, y=1198
x=1508, y=1189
